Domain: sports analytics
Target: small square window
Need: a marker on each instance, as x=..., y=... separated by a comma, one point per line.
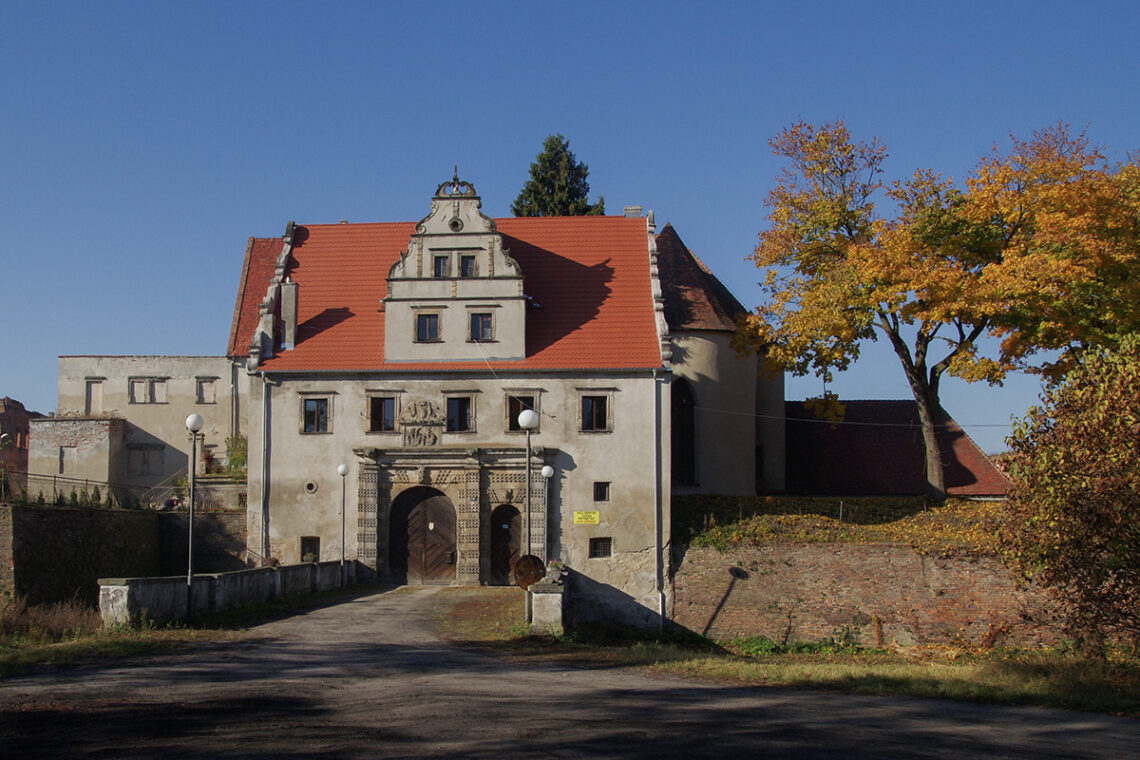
x=466, y=266
x=515, y=406
x=315, y=415
x=595, y=414
x=381, y=414
x=459, y=417
x=481, y=327
x=310, y=548
x=601, y=490
x=441, y=267
x=601, y=547
x=427, y=328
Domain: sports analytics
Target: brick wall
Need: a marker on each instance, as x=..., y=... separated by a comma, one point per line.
x=50, y=554
x=59, y=553
x=875, y=593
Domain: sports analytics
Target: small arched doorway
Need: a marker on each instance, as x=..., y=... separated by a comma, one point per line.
x=506, y=542
x=422, y=538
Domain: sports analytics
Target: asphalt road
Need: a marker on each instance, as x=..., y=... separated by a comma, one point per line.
x=369, y=679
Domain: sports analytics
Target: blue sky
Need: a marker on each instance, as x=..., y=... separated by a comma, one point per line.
x=142, y=143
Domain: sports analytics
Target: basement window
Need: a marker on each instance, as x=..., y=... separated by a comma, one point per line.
x=600, y=548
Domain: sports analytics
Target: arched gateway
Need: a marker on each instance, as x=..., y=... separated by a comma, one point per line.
x=422, y=535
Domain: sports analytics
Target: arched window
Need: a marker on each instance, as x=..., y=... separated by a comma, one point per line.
x=684, y=434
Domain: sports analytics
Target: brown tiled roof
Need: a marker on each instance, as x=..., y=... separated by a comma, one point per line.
x=694, y=298
x=589, y=277
x=878, y=450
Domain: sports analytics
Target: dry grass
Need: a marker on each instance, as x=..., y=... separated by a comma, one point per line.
x=1047, y=678
x=954, y=528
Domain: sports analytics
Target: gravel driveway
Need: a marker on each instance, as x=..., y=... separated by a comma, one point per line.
x=369, y=679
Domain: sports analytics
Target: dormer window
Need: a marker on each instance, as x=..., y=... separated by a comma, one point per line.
x=427, y=327
x=441, y=268
x=466, y=266
x=482, y=327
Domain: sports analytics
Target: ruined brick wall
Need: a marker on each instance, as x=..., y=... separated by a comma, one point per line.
x=877, y=594
x=7, y=582
x=51, y=554
x=59, y=553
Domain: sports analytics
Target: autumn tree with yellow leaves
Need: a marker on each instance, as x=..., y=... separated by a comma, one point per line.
x=1039, y=249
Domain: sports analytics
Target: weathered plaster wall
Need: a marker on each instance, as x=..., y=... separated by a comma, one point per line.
x=728, y=389
x=97, y=386
x=78, y=448
x=876, y=593
x=624, y=457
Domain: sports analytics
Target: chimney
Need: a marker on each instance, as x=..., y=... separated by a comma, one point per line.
x=289, y=313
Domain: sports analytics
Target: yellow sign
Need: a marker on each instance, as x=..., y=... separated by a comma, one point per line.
x=587, y=518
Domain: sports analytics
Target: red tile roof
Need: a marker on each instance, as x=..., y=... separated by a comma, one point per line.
x=694, y=298
x=589, y=275
x=878, y=450
x=256, y=272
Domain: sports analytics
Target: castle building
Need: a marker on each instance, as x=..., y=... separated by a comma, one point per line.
x=406, y=351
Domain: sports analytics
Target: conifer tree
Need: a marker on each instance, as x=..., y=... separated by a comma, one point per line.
x=557, y=184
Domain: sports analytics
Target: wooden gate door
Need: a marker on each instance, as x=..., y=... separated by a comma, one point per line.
x=422, y=538
x=506, y=540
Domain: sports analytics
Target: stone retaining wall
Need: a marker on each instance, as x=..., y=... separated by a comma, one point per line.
x=874, y=594
x=125, y=601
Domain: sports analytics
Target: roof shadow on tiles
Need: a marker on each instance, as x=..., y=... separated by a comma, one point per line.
x=577, y=292
x=318, y=323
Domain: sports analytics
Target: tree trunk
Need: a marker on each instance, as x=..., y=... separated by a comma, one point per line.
x=930, y=414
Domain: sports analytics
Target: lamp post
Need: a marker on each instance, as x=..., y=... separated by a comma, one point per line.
x=528, y=421
x=342, y=470
x=194, y=423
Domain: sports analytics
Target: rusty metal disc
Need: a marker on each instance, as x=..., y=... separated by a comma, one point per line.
x=529, y=570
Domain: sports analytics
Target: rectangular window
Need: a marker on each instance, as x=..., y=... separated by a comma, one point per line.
x=601, y=547
x=310, y=548
x=440, y=268
x=427, y=328
x=466, y=266
x=139, y=391
x=93, y=404
x=381, y=414
x=595, y=414
x=481, y=328
x=147, y=390
x=207, y=390
x=459, y=418
x=515, y=407
x=601, y=490
x=315, y=413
